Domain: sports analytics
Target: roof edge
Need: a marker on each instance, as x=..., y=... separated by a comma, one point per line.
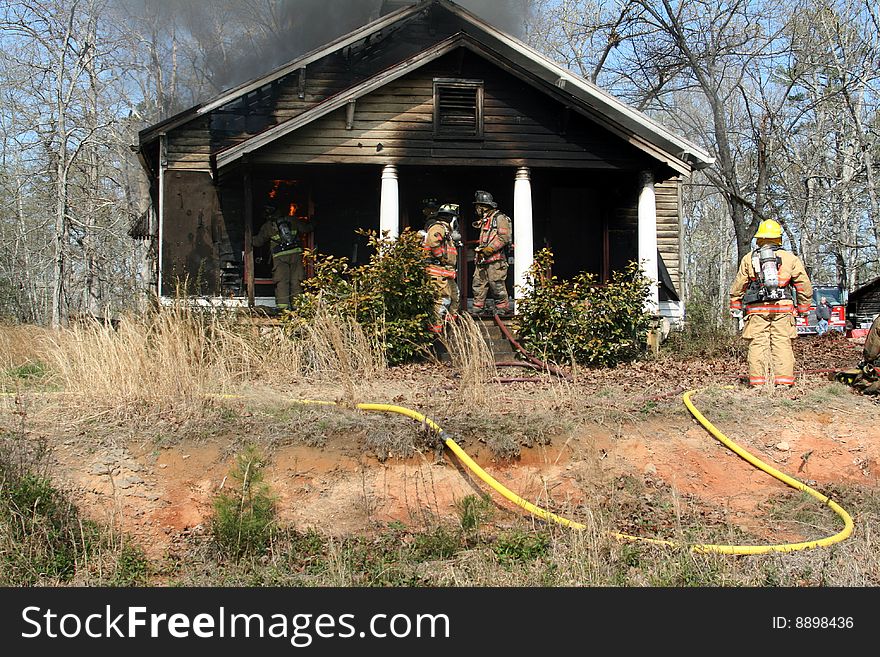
x=686, y=151
x=232, y=94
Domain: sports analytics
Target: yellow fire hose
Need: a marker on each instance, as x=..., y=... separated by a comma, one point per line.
x=700, y=548
x=550, y=516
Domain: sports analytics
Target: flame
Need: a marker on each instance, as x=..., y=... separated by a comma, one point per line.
x=282, y=189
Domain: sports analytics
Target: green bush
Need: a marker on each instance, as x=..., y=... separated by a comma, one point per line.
x=441, y=542
x=473, y=511
x=391, y=296
x=132, y=567
x=42, y=535
x=244, y=515
x=580, y=320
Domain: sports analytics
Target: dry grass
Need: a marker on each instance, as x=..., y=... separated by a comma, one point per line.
x=471, y=358
x=21, y=345
x=170, y=360
x=339, y=348
x=174, y=357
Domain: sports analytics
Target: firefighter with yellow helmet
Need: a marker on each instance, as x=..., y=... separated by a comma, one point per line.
x=770, y=288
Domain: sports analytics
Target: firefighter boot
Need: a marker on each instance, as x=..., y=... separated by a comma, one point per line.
x=849, y=377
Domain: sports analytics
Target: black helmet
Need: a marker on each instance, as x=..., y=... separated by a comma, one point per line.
x=448, y=209
x=484, y=198
x=430, y=204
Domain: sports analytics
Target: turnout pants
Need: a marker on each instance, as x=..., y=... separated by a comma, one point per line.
x=287, y=274
x=441, y=308
x=771, y=357
x=491, y=277
x=454, y=296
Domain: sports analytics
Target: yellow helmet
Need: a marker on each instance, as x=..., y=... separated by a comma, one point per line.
x=769, y=229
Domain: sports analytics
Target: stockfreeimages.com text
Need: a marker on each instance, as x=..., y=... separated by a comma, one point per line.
x=300, y=629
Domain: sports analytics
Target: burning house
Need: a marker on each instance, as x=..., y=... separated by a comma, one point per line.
x=428, y=100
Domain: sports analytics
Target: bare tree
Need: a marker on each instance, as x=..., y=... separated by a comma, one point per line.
x=785, y=95
x=65, y=96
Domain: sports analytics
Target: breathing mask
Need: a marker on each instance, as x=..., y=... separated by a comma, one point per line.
x=454, y=235
x=287, y=238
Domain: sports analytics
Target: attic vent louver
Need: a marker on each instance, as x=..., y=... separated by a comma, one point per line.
x=458, y=108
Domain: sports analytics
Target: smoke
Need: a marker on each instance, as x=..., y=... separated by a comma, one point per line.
x=219, y=44
x=507, y=15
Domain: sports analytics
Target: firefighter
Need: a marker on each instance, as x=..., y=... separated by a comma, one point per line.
x=770, y=287
x=865, y=377
x=490, y=265
x=441, y=257
x=448, y=215
x=282, y=233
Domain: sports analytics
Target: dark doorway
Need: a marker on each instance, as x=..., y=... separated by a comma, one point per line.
x=587, y=218
x=457, y=185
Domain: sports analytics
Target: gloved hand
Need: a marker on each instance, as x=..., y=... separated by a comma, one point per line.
x=736, y=313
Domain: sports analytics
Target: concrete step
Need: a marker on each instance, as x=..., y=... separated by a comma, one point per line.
x=501, y=348
x=499, y=345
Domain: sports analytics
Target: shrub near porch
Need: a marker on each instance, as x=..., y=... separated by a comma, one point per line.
x=580, y=320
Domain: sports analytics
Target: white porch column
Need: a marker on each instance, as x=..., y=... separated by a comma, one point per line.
x=523, y=251
x=648, y=237
x=389, y=203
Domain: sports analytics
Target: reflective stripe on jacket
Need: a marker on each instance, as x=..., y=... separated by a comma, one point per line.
x=440, y=253
x=792, y=274
x=495, y=236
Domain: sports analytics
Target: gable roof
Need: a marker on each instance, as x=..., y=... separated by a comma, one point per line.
x=581, y=95
x=865, y=290
x=233, y=94
x=590, y=96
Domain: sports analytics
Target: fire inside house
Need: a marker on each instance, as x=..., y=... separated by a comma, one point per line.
x=427, y=100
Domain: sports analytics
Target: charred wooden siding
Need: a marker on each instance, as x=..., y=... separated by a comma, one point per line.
x=522, y=127
x=191, y=242
x=190, y=145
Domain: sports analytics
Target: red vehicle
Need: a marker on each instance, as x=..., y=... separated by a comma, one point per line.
x=836, y=297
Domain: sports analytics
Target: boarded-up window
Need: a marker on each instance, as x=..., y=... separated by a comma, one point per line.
x=458, y=108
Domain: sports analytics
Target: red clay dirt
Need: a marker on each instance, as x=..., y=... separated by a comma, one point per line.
x=157, y=490
x=155, y=494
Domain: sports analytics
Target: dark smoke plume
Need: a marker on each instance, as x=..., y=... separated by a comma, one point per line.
x=226, y=42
